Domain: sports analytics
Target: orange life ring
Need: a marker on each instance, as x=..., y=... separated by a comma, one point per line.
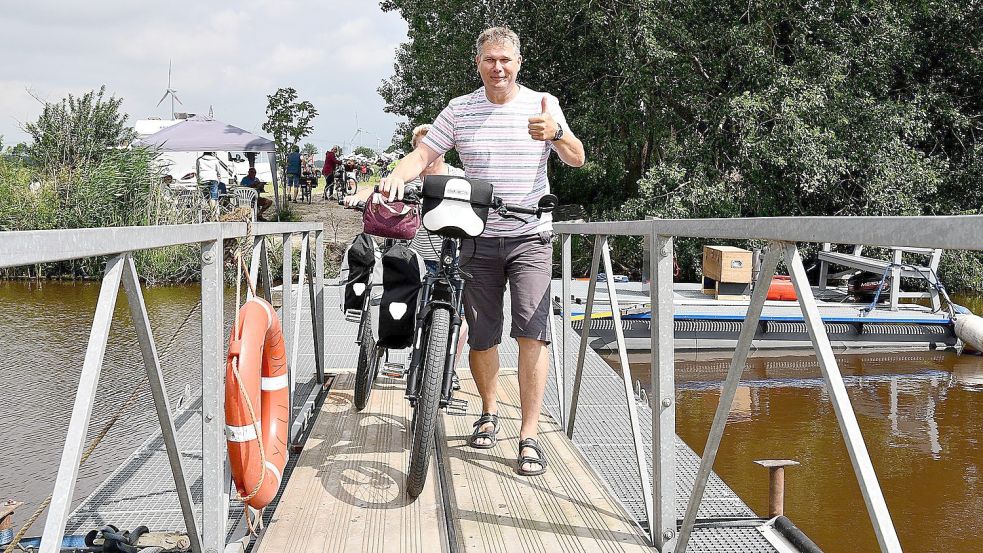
x=781, y=289
x=256, y=350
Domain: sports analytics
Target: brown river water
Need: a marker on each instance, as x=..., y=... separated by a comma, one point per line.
x=920, y=413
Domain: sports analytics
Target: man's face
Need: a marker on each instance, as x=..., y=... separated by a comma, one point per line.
x=252, y=173
x=498, y=65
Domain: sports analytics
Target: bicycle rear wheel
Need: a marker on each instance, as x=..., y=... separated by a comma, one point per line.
x=428, y=400
x=367, y=360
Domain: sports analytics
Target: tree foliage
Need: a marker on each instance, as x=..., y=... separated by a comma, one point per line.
x=364, y=151
x=703, y=107
x=710, y=108
x=308, y=149
x=78, y=130
x=287, y=119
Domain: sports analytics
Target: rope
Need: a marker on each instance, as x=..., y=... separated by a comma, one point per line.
x=241, y=272
x=934, y=282
x=130, y=401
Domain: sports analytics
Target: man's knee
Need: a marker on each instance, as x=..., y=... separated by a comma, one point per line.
x=531, y=343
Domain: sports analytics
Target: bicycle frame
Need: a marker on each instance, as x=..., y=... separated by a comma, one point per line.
x=445, y=290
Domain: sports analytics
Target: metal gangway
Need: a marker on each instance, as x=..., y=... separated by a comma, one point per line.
x=621, y=478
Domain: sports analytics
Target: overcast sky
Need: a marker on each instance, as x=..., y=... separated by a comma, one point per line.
x=227, y=55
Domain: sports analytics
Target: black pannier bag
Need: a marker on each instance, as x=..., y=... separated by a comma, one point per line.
x=357, y=266
x=402, y=276
x=456, y=207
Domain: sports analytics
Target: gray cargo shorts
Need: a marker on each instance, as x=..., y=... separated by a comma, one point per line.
x=525, y=263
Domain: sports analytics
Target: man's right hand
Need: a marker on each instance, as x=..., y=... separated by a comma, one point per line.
x=393, y=187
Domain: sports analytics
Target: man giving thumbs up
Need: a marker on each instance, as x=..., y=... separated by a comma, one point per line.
x=488, y=128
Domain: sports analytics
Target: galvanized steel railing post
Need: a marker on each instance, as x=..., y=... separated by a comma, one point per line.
x=636, y=431
x=286, y=292
x=215, y=496
x=729, y=390
x=151, y=362
x=319, y=303
x=663, y=382
x=85, y=395
x=585, y=333
x=880, y=517
x=566, y=259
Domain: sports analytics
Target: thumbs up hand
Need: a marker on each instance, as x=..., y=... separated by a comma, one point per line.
x=542, y=126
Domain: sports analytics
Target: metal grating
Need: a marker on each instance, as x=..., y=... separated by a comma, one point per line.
x=141, y=491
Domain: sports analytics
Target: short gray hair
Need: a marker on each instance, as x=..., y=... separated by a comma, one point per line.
x=498, y=35
x=418, y=133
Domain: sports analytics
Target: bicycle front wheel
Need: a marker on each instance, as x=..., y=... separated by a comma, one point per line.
x=428, y=400
x=367, y=357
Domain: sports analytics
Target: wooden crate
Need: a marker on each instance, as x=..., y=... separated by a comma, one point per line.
x=726, y=290
x=727, y=264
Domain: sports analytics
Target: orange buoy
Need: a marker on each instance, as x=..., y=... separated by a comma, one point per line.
x=782, y=289
x=257, y=403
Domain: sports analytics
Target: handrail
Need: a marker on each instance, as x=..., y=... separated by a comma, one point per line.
x=959, y=232
x=118, y=243
x=951, y=232
x=28, y=247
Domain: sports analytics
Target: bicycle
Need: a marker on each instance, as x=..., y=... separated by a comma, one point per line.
x=429, y=378
x=370, y=353
x=307, y=183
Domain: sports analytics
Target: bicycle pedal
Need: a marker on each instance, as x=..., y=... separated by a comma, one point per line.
x=457, y=407
x=393, y=370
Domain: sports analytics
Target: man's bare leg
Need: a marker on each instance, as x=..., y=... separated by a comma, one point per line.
x=484, y=368
x=533, y=370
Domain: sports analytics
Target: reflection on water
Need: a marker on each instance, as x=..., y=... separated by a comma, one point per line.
x=44, y=330
x=920, y=417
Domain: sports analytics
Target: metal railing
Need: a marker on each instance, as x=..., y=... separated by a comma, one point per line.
x=782, y=235
x=34, y=247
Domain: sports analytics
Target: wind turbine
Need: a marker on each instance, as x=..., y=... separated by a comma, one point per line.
x=358, y=131
x=170, y=92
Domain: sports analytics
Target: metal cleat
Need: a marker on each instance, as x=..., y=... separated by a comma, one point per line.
x=393, y=370
x=457, y=407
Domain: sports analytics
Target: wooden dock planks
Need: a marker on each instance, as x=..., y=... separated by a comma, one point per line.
x=565, y=509
x=347, y=491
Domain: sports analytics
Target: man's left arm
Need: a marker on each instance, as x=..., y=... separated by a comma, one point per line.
x=546, y=126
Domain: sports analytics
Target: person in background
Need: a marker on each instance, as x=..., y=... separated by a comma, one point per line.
x=208, y=168
x=426, y=244
x=330, y=164
x=251, y=181
x=294, y=166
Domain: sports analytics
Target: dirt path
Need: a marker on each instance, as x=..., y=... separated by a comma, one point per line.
x=340, y=224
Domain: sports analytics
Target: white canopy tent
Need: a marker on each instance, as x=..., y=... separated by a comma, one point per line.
x=204, y=134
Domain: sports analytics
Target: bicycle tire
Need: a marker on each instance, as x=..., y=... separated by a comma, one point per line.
x=428, y=401
x=365, y=371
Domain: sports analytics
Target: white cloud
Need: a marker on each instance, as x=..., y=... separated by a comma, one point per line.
x=228, y=56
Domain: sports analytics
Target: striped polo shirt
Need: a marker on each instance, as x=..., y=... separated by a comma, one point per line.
x=494, y=144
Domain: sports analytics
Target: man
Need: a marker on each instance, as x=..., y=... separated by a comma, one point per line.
x=207, y=170
x=330, y=164
x=504, y=133
x=294, y=163
x=251, y=181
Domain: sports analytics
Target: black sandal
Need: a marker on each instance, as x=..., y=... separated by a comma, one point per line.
x=531, y=443
x=492, y=436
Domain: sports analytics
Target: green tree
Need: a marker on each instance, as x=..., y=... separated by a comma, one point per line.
x=287, y=119
x=78, y=130
x=309, y=149
x=709, y=108
x=364, y=151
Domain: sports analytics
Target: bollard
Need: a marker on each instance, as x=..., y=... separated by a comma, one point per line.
x=776, y=484
x=7, y=509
